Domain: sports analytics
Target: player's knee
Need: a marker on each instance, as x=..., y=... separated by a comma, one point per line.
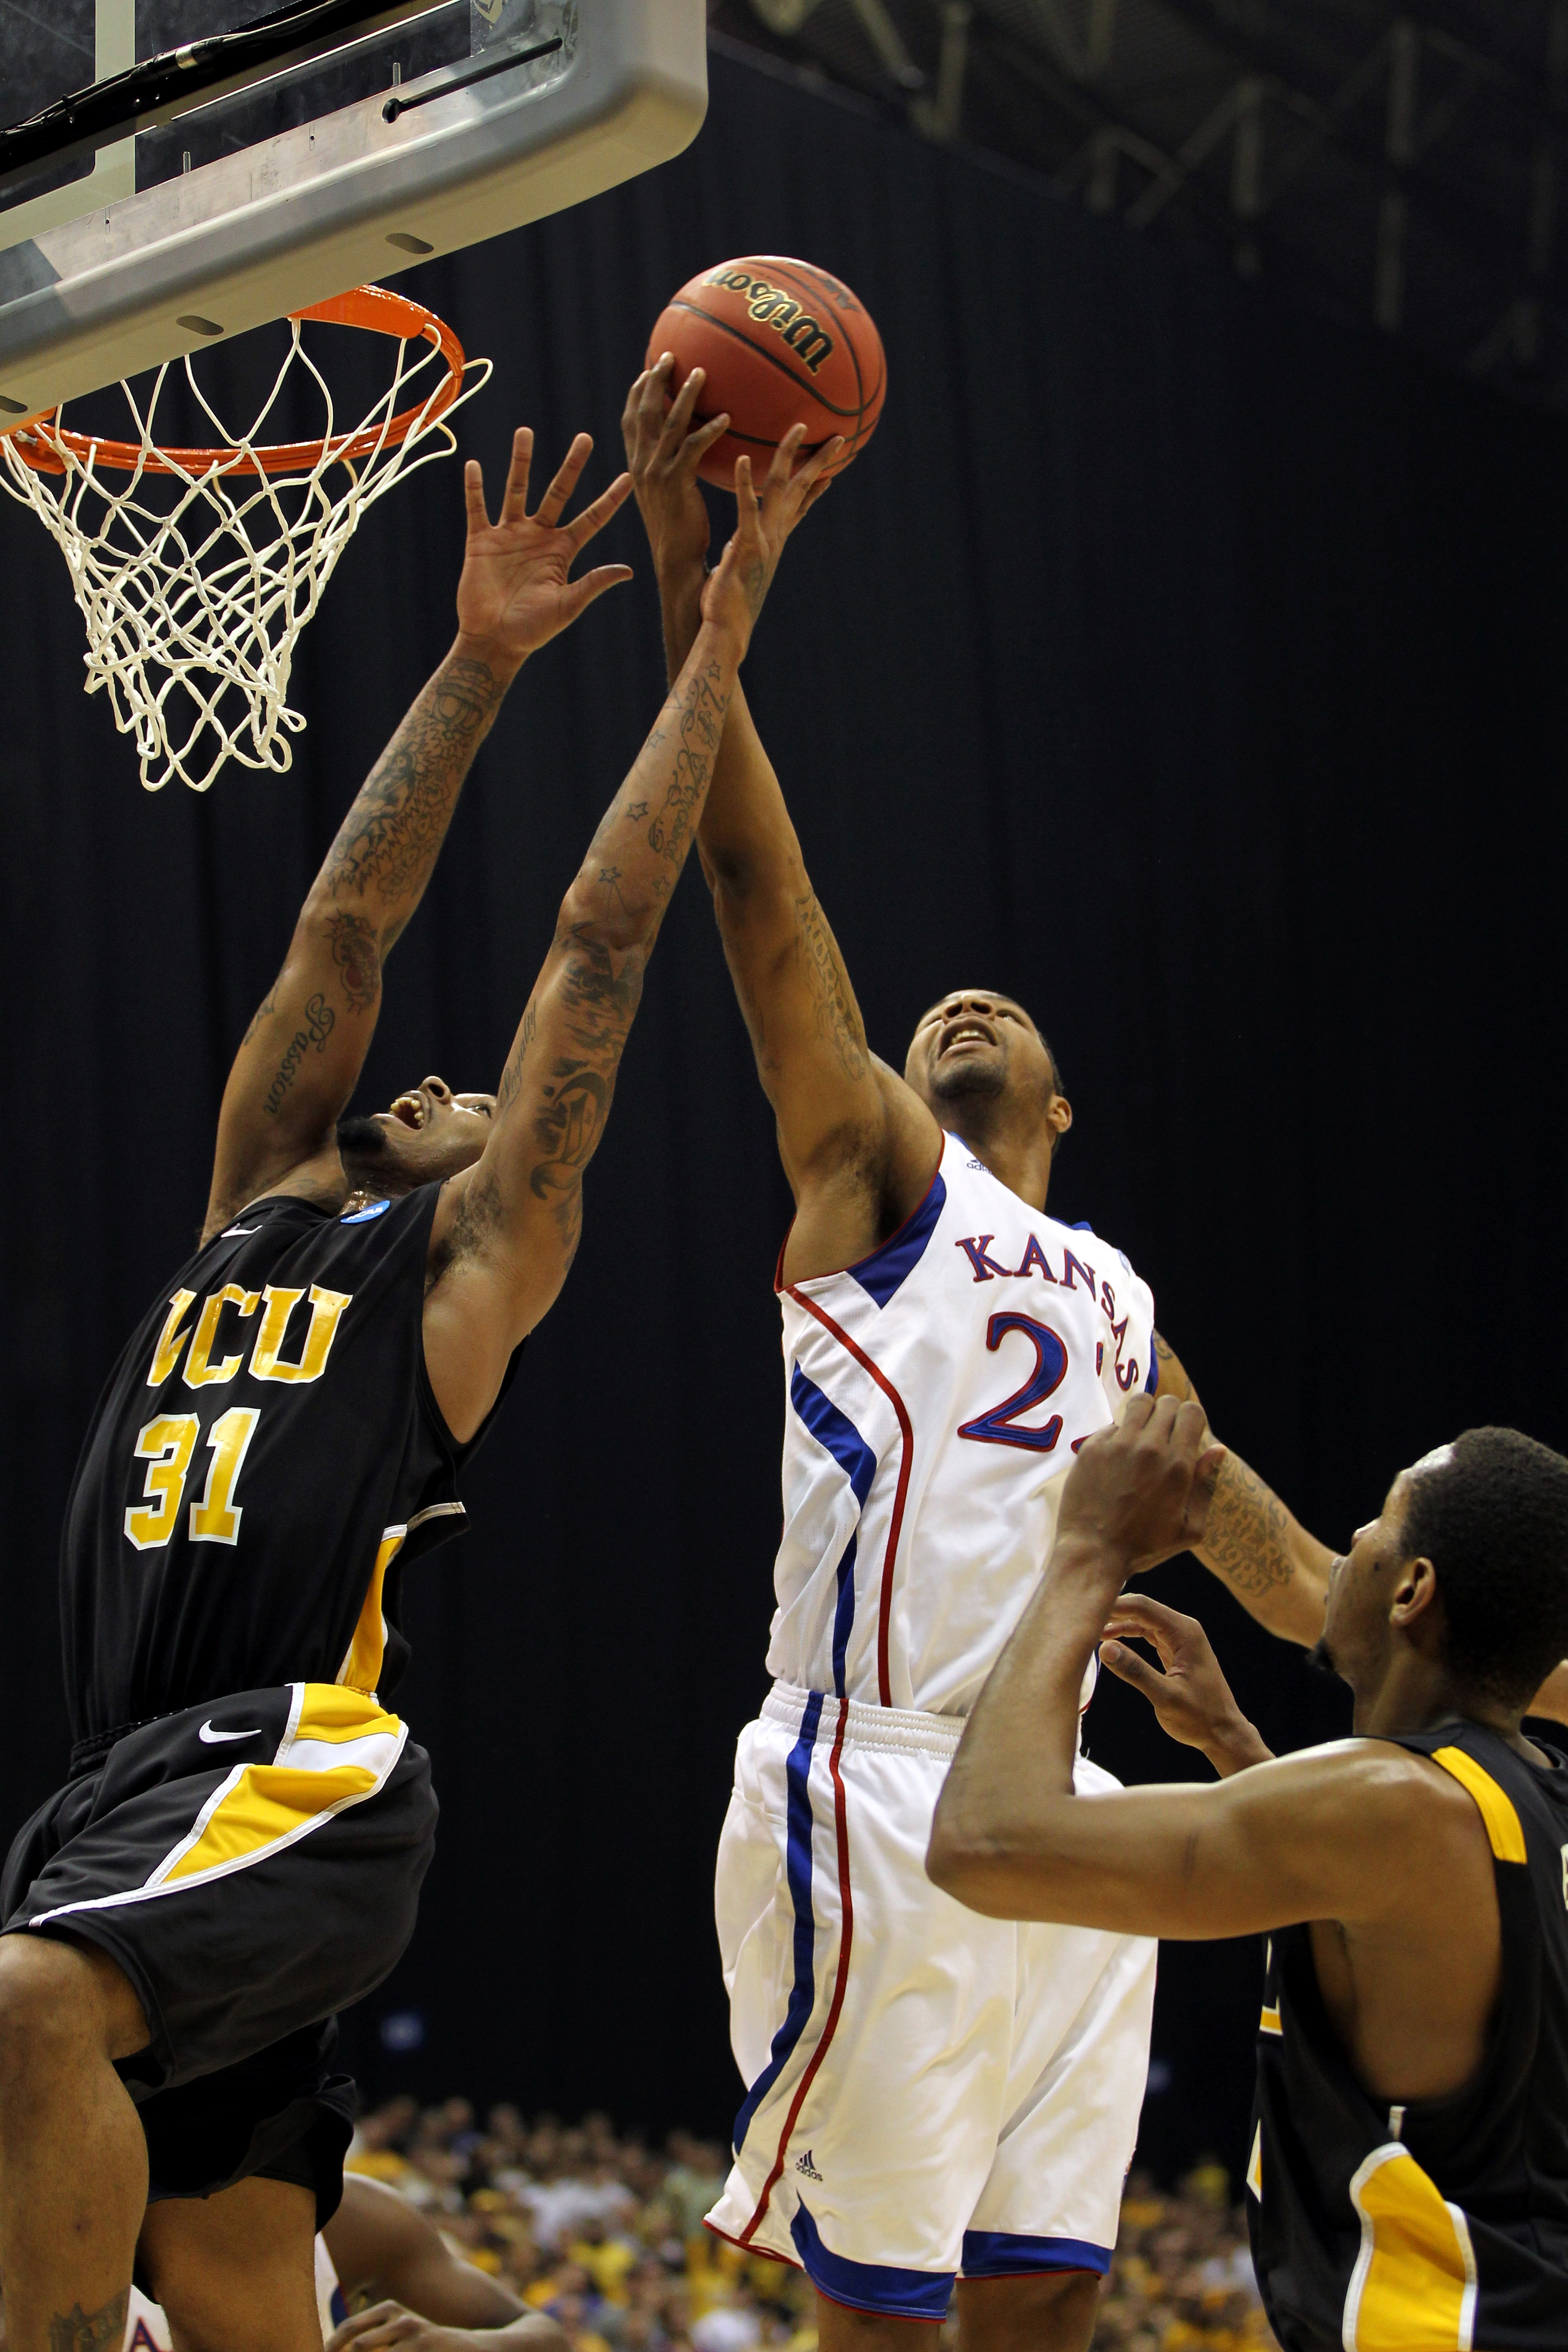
x=43, y=2005
x=56, y=2001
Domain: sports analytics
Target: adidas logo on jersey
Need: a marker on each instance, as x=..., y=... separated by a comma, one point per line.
x=804, y=2165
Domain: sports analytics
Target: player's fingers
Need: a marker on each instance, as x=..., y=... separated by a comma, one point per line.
x=565, y=481
x=357, y=2330
x=514, y=497
x=784, y=455
x=1129, y=1667
x=1153, y=1619
x=580, y=594
x=697, y=444
x=818, y=465
x=593, y=518
x=474, y=496
x=746, y=495
x=678, y=423
x=1206, y=1478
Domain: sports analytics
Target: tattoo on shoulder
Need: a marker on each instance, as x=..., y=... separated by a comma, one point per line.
x=77, y=2330
x=837, y=1021
x=357, y=951
x=1246, y=1536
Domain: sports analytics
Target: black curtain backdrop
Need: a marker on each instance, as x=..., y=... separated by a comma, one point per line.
x=1182, y=665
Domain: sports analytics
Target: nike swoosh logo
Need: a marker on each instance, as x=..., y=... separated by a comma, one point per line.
x=213, y=1738
x=231, y=1232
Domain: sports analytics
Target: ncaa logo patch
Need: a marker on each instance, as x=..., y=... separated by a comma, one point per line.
x=364, y=1216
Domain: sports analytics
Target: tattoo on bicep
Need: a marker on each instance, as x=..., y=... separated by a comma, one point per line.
x=838, y=1019
x=389, y=839
x=320, y=1019
x=264, y=1012
x=511, y=1077
x=357, y=951
x=1246, y=1534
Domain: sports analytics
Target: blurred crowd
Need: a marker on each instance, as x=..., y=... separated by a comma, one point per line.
x=605, y=2234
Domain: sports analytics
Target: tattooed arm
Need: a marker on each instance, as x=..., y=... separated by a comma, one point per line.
x=507, y=1229
x=1277, y=1570
x=301, y=1058
x=857, y=1146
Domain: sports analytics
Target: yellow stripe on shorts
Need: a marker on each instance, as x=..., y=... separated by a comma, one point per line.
x=1413, y=2285
x=339, y=1750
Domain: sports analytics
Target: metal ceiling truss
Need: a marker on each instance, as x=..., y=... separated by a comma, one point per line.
x=1402, y=166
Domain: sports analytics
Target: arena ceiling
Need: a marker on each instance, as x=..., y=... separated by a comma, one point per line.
x=1405, y=168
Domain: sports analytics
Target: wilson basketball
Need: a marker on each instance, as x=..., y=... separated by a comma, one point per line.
x=783, y=344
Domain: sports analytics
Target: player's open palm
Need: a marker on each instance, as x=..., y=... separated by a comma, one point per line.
x=516, y=593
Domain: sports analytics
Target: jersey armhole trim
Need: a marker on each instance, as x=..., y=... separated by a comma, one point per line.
x=1505, y=1833
x=917, y=1227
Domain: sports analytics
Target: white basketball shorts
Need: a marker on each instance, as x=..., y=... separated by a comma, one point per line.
x=930, y=2092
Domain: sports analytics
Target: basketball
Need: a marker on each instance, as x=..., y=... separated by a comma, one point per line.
x=783, y=344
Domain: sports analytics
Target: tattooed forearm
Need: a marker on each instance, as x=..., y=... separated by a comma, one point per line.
x=837, y=1015
x=77, y=2330
x=357, y=954
x=700, y=726
x=1246, y=1534
x=389, y=840
x=319, y=1019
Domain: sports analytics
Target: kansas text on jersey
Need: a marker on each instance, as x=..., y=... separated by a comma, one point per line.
x=936, y=1392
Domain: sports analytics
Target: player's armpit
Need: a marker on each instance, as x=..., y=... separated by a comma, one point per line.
x=1360, y=1832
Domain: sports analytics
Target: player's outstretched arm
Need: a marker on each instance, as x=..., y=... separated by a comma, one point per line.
x=1277, y=1570
x=301, y=1058
x=857, y=1146
x=506, y=1231
x=1352, y=1832
x=423, y=2295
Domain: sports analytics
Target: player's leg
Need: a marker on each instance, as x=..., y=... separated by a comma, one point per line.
x=1053, y=2311
x=1040, y=2237
x=73, y=2163
x=840, y=2329
x=236, y=2272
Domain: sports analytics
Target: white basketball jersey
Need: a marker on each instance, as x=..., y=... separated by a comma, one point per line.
x=935, y=1394
x=147, y=2326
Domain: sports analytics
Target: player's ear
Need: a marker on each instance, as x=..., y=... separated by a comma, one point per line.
x=1058, y=1118
x=1415, y=1594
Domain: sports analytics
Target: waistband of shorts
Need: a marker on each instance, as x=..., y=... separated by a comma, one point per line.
x=900, y=1728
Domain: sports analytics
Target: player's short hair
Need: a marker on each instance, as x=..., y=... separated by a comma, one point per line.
x=1491, y=1513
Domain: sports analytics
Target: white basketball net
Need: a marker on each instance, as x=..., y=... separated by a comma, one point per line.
x=203, y=580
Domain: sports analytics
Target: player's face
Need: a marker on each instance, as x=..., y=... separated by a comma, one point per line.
x=1357, y=1636
x=977, y=1042
x=430, y=1133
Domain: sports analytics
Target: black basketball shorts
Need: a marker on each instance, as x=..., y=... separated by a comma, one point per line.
x=252, y=1866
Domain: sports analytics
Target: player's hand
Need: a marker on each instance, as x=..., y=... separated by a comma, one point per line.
x=514, y=594
x=393, y=2323
x=735, y=592
x=664, y=453
x=1191, y=1697
x=1141, y=1491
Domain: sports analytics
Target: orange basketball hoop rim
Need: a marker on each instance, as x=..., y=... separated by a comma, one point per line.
x=43, y=445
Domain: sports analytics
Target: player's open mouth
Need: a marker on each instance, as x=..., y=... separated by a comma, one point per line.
x=411, y=1109
x=967, y=1032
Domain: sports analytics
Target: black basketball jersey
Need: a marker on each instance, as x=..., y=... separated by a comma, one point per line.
x=266, y=1458
x=1443, y=2223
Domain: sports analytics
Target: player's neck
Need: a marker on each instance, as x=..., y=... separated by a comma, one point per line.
x=1016, y=1149
x=1417, y=1694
